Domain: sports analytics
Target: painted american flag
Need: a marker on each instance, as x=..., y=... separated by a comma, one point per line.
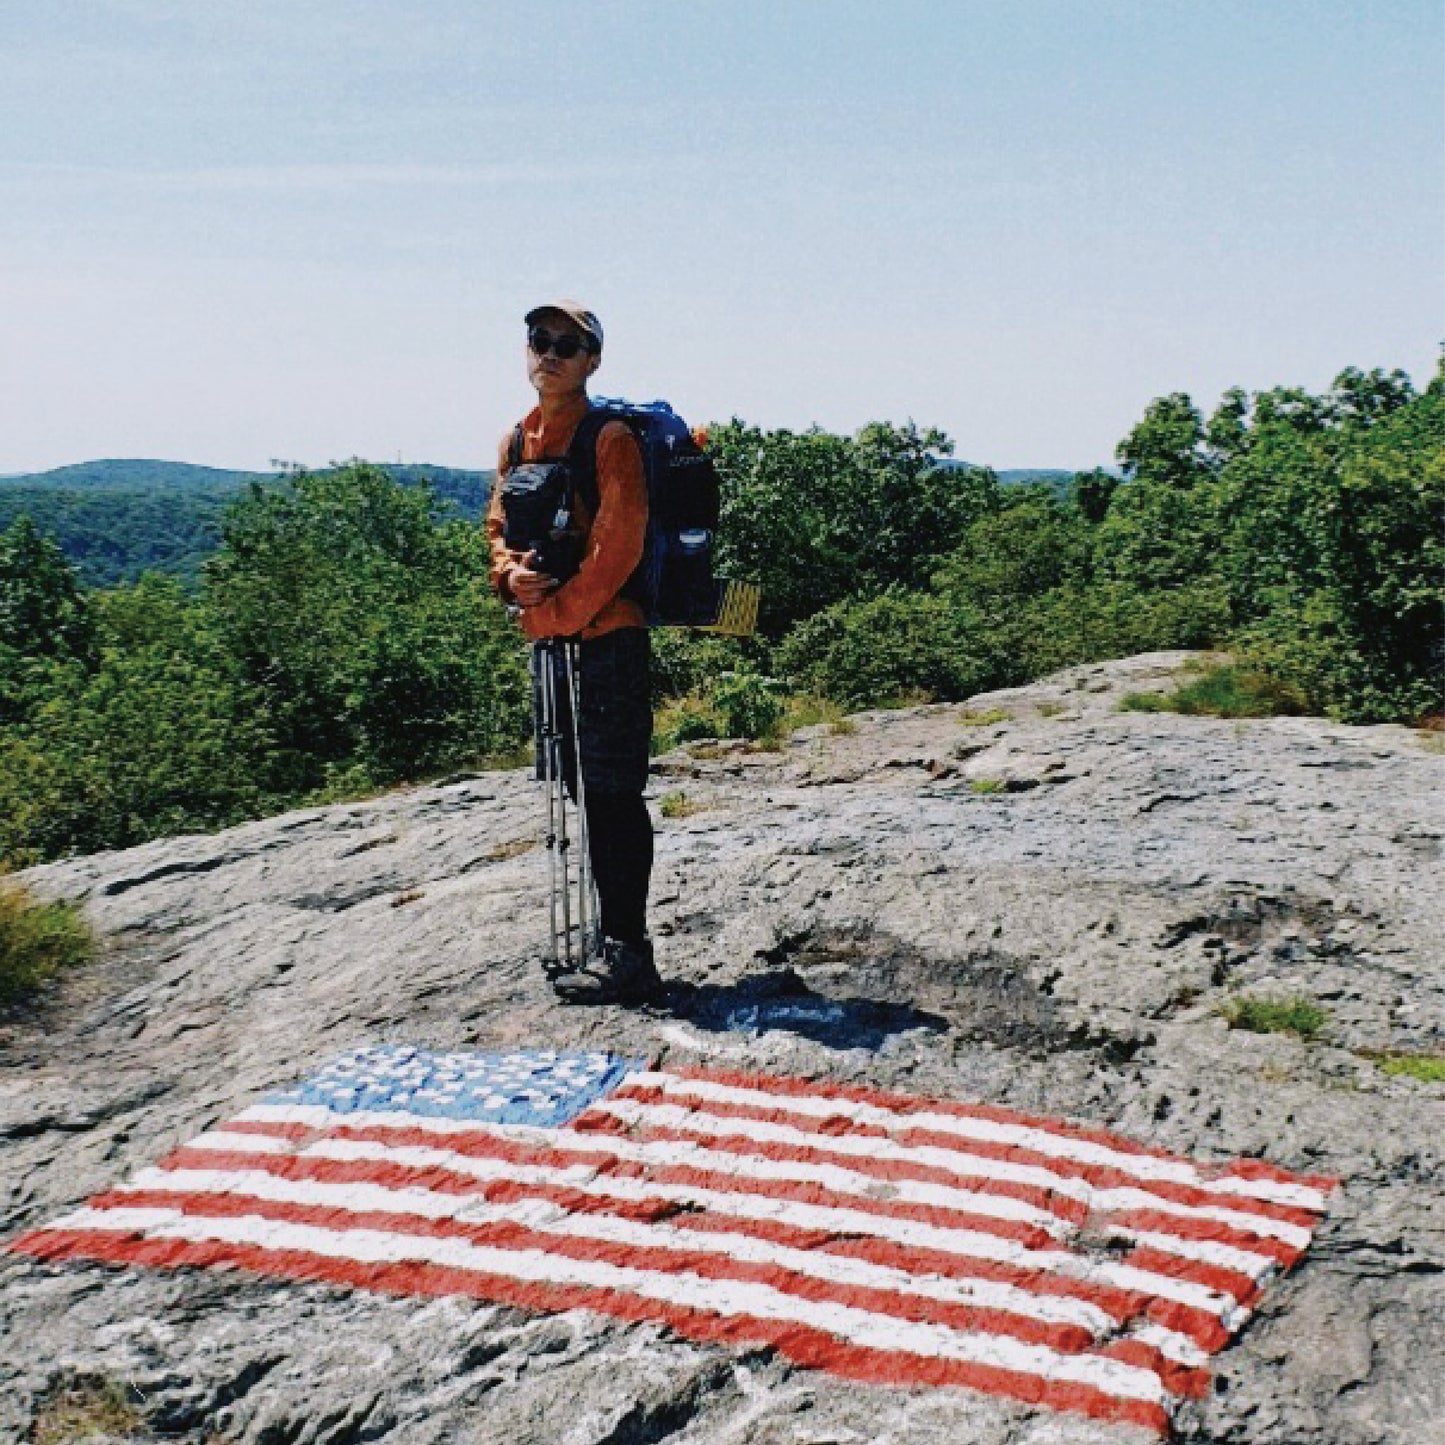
x=889, y=1238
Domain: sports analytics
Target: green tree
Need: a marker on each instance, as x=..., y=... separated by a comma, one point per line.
x=1033, y=543
x=814, y=518
x=1331, y=543
x=1030, y=598
x=42, y=607
x=1166, y=447
x=1091, y=492
x=1361, y=398
x=686, y=662
x=880, y=649
x=362, y=615
x=908, y=510
x=157, y=736
x=1227, y=432
x=1159, y=529
x=44, y=618
x=1090, y=622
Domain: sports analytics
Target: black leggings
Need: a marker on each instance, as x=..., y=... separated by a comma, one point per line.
x=615, y=723
x=620, y=832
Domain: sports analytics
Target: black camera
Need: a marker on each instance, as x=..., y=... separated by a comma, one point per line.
x=538, y=517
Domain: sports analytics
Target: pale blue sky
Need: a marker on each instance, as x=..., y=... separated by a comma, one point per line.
x=238, y=230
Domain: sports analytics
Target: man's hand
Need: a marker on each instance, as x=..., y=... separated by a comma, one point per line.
x=528, y=585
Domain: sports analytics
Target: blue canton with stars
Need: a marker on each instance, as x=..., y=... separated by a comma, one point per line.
x=535, y=1086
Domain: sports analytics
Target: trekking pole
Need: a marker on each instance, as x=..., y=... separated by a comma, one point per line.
x=564, y=841
x=588, y=908
x=546, y=729
x=557, y=811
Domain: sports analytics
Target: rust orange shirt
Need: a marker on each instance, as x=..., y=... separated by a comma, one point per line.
x=587, y=603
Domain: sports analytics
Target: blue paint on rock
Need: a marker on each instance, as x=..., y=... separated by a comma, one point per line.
x=540, y=1087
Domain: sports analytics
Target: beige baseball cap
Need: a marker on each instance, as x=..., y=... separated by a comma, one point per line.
x=575, y=311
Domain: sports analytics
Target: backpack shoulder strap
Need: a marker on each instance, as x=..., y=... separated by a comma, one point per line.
x=582, y=453
x=514, y=451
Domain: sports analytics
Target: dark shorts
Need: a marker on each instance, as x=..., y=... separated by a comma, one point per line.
x=615, y=712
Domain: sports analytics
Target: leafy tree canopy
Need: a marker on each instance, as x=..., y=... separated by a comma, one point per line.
x=42, y=608
x=814, y=517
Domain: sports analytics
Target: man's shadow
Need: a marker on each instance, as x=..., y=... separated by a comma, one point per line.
x=780, y=1000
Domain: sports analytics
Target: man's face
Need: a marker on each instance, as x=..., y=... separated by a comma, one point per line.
x=553, y=375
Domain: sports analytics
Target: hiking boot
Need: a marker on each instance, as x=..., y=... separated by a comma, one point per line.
x=622, y=973
x=638, y=980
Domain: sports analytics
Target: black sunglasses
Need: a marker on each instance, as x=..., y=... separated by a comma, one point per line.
x=563, y=347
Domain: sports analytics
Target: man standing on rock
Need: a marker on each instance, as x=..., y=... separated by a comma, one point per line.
x=614, y=722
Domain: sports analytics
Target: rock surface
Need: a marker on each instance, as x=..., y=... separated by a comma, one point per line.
x=1033, y=900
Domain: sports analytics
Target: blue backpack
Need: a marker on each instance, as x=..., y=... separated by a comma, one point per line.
x=674, y=582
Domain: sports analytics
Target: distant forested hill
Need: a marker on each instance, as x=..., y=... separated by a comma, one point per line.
x=116, y=518
x=134, y=474
x=1020, y=476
